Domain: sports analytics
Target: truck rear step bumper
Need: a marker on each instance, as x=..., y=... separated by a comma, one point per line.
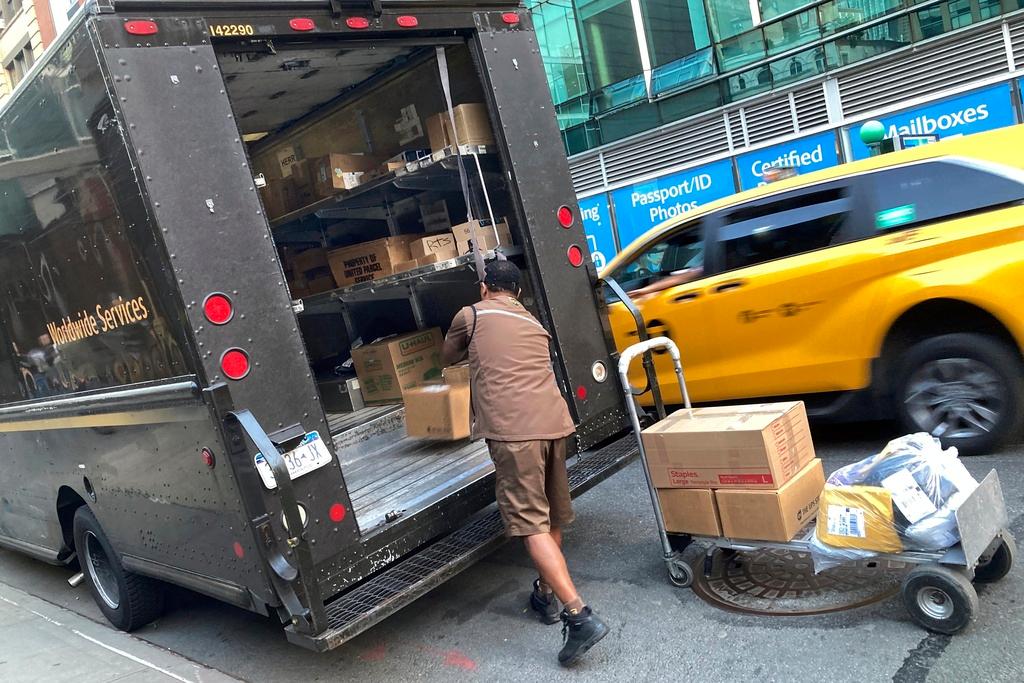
x=381, y=596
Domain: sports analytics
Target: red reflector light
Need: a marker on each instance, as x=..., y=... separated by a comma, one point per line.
x=235, y=363
x=510, y=18
x=239, y=550
x=208, y=457
x=575, y=255
x=357, y=22
x=301, y=24
x=407, y=21
x=217, y=309
x=565, y=217
x=337, y=513
x=139, y=27
x=581, y=392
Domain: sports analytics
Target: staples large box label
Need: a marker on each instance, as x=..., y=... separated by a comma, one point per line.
x=752, y=447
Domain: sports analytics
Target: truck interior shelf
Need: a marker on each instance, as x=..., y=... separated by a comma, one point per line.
x=398, y=286
x=438, y=172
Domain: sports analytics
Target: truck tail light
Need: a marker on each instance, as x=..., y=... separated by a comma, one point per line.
x=510, y=18
x=581, y=392
x=575, y=255
x=301, y=24
x=235, y=364
x=218, y=309
x=565, y=217
x=357, y=22
x=140, y=27
x=407, y=21
x=336, y=513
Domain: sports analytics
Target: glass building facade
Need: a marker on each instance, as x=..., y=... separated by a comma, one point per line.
x=620, y=67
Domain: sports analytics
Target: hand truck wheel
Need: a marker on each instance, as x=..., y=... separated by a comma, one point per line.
x=941, y=599
x=680, y=573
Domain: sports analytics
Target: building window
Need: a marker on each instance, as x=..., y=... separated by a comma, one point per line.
x=731, y=17
x=19, y=65
x=560, y=49
x=609, y=33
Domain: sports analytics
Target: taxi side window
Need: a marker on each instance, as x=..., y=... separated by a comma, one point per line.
x=794, y=224
x=680, y=251
x=921, y=193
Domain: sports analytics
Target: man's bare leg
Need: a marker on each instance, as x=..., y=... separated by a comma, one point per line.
x=556, y=535
x=547, y=556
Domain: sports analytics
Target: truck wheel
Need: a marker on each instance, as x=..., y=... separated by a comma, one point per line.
x=939, y=598
x=126, y=599
x=997, y=565
x=966, y=389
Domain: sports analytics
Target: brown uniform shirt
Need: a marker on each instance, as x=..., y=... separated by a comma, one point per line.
x=515, y=396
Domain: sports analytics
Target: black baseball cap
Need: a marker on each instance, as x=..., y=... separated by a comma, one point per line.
x=502, y=275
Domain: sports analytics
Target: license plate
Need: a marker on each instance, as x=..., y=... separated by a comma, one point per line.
x=311, y=454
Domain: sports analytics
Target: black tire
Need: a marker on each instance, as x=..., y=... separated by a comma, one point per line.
x=999, y=564
x=127, y=600
x=940, y=599
x=990, y=377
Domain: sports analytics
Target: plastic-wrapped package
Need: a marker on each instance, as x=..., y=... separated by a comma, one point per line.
x=904, y=497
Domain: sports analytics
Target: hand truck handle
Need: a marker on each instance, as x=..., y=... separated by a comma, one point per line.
x=640, y=348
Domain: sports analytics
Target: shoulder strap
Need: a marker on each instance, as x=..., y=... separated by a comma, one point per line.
x=472, y=330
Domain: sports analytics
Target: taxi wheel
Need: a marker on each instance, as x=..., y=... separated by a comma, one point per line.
x=127, y=600
x=965, y=389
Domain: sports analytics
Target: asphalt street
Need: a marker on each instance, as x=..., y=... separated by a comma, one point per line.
x=475, y=626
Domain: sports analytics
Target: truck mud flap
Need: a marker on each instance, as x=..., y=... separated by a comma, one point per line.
x=381, y=596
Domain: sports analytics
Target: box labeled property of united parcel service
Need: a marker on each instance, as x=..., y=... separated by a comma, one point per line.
x=758, y=446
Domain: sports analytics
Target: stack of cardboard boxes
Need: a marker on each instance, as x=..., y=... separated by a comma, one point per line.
x=307, y=271
x=743, y=472
x=472, y=127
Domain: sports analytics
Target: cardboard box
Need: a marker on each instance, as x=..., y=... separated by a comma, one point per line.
x=463, y=233
x=743, y=447
x=308, y=260
x=772, y=515
x=442, y=244
x=435, y=216
x=279, y=197
x=438, y=411
x=456, y=374
x=403, y=266
x=437, y=131
x=368, y=261
x=690, y=511
x=472, y=125
x=318, y=285
x=386, y=369
x=336, y=171
x=340, y=394
x=858, y=517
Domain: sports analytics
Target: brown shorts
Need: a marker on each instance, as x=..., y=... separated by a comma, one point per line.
x=531, y=485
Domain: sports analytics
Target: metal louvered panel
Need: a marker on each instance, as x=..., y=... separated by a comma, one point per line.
x=736, y=128
x=1017, y=41
x=692, y=141
x=770, y=119
x=586, y=173
x=810, y=107
x=944, y=66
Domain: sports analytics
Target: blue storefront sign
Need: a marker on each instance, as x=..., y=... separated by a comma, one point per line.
x=974, y=112
x=640, y=207
x=806, y=155
x=597, y=223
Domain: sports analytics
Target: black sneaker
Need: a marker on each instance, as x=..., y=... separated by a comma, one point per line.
x=545, y=605
x=580, y=632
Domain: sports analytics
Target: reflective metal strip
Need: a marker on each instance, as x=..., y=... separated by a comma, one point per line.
x=513, y=315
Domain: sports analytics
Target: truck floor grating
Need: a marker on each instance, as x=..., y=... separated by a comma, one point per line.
x=375, y=599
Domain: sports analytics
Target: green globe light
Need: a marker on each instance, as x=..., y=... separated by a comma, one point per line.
x=872, y=132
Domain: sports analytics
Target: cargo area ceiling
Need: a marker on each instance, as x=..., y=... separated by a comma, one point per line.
x=271, y=87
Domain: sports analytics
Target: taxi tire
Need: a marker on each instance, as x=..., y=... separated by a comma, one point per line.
x=141, y=599
x=1000, y=358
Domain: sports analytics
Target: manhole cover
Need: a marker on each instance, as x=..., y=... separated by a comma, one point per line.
x=783, y=582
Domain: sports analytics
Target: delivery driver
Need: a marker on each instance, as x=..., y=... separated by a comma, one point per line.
x=518, y=408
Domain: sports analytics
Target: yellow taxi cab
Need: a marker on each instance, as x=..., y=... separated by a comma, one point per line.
x=890, y=287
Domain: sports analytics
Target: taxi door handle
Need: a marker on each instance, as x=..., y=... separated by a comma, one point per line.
x=729, y=286
x=683, y=298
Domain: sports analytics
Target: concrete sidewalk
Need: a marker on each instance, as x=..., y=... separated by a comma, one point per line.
x=40, y=641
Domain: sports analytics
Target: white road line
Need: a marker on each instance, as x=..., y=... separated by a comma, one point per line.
x=137, y=660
